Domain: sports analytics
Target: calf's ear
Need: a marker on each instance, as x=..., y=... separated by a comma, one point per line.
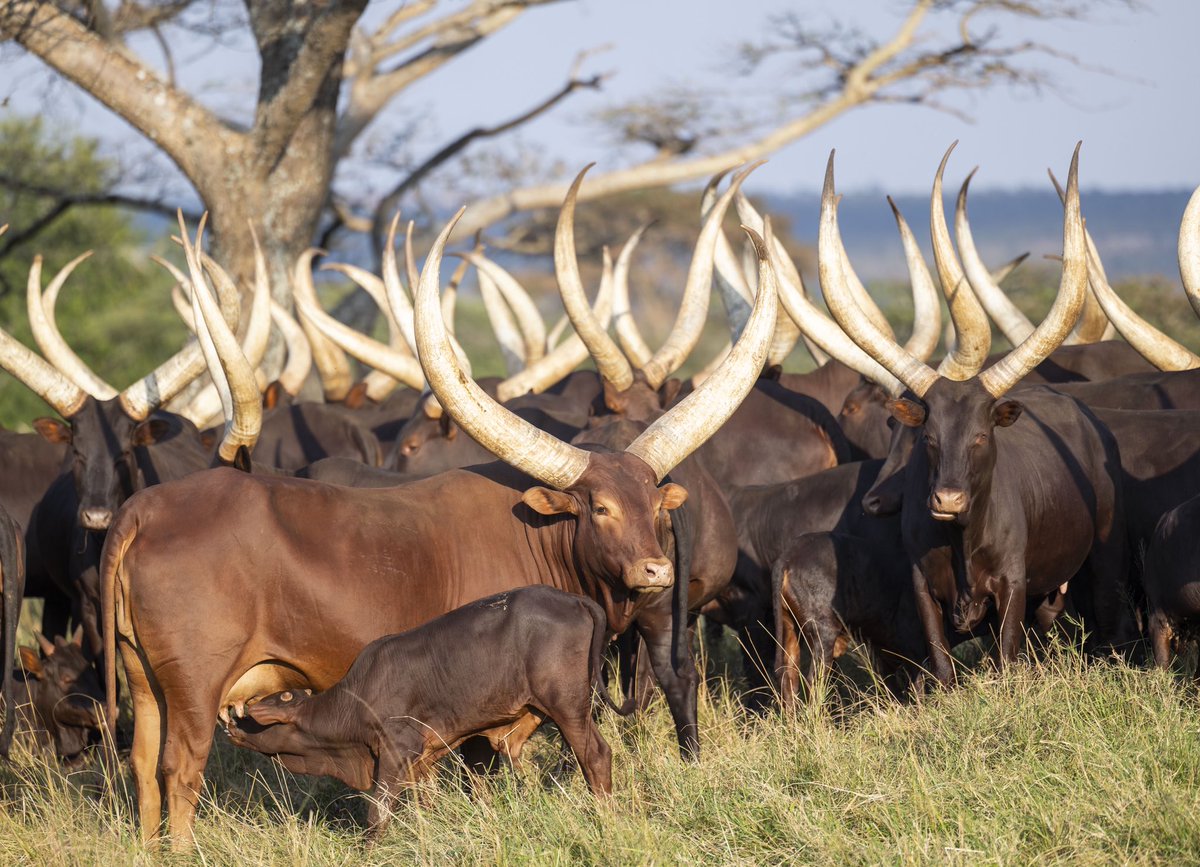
x=908, y=412
x=674, y=496
x=546, y=501
x=31, y=662
x=52, y=430
x=1005, y=412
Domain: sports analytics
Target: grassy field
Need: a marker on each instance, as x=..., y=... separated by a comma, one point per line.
x=1057, y=761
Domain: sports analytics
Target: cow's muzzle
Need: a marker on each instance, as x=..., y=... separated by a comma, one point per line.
x=947, y=504
x=95, y=518
x=650, y=575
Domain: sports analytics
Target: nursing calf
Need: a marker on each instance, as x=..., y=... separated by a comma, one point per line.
x=498, y=668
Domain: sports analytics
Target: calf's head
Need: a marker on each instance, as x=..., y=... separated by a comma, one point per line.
x=64, y=693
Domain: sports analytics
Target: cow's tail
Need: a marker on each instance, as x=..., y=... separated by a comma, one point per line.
x=120, y=537
x=12, y=585
x=596, y=660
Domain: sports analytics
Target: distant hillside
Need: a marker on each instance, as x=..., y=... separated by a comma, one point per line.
x=1136, y=232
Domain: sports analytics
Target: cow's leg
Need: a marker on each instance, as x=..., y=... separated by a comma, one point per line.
x=147, y=743
x=189, y=736
x=1161, y=639
x=787, y=656
x=680, y=683
x=591, y=750
x=941, y=665
x=510, y=740
x=1010, y=606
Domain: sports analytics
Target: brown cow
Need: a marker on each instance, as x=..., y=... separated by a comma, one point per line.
x=498, y=668
x=195, y=593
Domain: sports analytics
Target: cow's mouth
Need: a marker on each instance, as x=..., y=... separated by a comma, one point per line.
x=943, y=516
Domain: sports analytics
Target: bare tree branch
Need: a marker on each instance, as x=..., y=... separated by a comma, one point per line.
x=174, y=121
x=390, y=201
x=372, y=89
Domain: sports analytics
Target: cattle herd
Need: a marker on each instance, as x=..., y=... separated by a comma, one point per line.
x=424, y=562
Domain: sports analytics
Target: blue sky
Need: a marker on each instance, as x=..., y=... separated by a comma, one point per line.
x=1139, y=124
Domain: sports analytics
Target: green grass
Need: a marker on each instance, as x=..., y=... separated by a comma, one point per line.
x=1058, y=761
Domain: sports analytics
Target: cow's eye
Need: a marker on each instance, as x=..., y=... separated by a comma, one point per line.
x=599, y=510
x=850, y=409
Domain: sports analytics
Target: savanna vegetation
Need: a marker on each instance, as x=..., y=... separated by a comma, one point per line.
x=1060, y=760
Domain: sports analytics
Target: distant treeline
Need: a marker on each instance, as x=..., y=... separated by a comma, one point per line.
x=1136, y=232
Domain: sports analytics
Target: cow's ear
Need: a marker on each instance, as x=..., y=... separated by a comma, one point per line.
x=30, y=661
x=356, y=397
x=242, y=461
x=546, y=501
x=908, y=412
x=52, y=430
x=1005, y=412
x=447, y=426
x=669, y=391
x=273, y=395
x=151, y=431
x=208, y=438
x=773, y=372
x=674, y=496
x=614, y=399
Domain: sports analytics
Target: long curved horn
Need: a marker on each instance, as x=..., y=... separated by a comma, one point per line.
x=1156, y=347
x=208, y=402
x=611, y=363
x=565, y=357
x=54, y=348
x=299, y=354
x=1093, y=324
x=232, y=373
x=1189, y=250
x=177, y=372
x=395, y=363
x=826, y=334
x=504, y=326
x=693, y=307
x=332, y=364
x=1050, y=334
x=973, y=332
x=915, y=374
x=1013, y=324
x=516, y=298
x=684, y=428
x=43, y=379
x=736, y=294
x=509, y=437
x=373, y=286
x=630, y=338
x=787, y=334
x=927, y=307
x=858, y=292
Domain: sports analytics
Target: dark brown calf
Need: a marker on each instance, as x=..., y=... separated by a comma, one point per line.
x=498, y=668
x=829, y=587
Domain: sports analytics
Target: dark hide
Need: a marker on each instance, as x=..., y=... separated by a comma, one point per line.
x=498, y=667
x=178, y=578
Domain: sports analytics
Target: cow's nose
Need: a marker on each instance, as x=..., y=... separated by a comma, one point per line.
x=945, y=503
x=651, y=574
x=871, y=504
x=95, y=518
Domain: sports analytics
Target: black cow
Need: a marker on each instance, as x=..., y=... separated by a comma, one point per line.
x=58, y=697
x=498, y=667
